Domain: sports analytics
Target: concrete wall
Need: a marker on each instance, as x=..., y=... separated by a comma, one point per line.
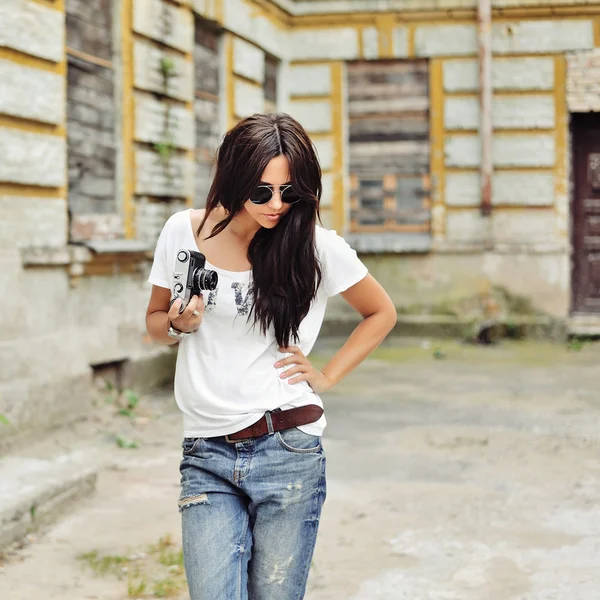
x=583, y=81
x=445, y=283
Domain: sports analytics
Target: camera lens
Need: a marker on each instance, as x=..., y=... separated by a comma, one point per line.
x=207, y=279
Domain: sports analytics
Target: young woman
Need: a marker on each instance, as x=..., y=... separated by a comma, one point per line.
x=253, y=466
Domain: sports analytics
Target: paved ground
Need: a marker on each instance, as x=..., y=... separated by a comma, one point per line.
x=471, y=476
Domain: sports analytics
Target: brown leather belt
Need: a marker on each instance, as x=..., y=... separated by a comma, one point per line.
x=276, y=420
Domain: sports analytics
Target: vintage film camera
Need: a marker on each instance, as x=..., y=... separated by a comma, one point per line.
x=190, y=277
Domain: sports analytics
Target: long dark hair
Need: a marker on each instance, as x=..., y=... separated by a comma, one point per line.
x=285, y=268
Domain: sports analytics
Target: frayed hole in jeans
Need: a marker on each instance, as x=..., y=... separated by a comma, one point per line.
x=192, y=500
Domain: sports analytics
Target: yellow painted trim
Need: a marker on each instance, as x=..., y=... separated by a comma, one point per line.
x=454, y=16
x=31, y=191
x=58, y=5
x=498, y=132
x=247, y=80
x=313, y=98
x=501, y=208
x=501, y=93
x=523, y=169
x=513, y=93
x=360, y=30
x=497, y=57
x=309, y=62
x=337, y=117
x=385, y=30
x=321, y=135
x=504, y=169
x=275, y=14
x=465, y=57
x=218, y=11
x=597, y=32
x=26, y=60
x=437, y=138
x=230, y=82
x=128, y=119
x=32, y=126
x=525, y=130
x=411, y=39
x=562, y=124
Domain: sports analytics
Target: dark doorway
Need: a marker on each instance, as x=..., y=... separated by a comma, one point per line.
x=585, y=210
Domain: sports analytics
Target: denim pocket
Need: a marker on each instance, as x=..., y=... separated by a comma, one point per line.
x=295, y=440
x=190, y=445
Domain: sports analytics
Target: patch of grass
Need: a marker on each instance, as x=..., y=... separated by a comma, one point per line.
x=155, y=573
x=128, y=402
x=164, y=542
x=576, y=344
x=124, y=442
x=4, y=420
x=105, y=565
x=166, y=552
x=166, y=587
x=171, y=558
x=137, y=588
x=439, y=354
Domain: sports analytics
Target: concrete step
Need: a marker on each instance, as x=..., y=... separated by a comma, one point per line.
x=584, y=324
x=441, y=326
x=36, y=491
x=50, y=472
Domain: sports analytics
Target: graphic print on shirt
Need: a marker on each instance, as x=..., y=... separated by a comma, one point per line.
x=211, y=302
x=243, y=304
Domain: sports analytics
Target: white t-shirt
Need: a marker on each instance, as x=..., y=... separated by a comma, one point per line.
x=225, y=379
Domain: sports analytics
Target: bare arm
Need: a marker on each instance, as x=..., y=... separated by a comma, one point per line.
x=159, y=315
x=379, y=315
x=369, y=299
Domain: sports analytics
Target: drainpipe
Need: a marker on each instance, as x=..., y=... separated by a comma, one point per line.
x=484, y=15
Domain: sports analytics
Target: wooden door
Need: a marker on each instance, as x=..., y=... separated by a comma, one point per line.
x=585, y=130
x=388, y=106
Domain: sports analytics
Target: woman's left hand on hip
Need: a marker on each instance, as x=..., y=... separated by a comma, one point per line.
x=303, y=371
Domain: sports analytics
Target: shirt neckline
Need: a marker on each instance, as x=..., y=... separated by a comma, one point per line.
x=208, y=263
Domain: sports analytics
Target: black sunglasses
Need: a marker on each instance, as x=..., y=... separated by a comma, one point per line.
x=263, y=194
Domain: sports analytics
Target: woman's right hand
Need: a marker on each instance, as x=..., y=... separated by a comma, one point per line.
x=187, y=321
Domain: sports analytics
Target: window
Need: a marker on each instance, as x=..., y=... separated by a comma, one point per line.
x=389, y=154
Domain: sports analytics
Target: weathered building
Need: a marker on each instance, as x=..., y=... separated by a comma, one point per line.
x=110, y=111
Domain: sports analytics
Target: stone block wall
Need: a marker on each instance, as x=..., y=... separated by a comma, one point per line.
x=161, y=89
x=93, y=308
x=207, y=105
x=33, y=205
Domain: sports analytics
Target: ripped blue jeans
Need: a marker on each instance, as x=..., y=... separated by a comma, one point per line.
x=250, y=513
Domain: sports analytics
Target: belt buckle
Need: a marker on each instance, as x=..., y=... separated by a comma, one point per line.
x=236, y=441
